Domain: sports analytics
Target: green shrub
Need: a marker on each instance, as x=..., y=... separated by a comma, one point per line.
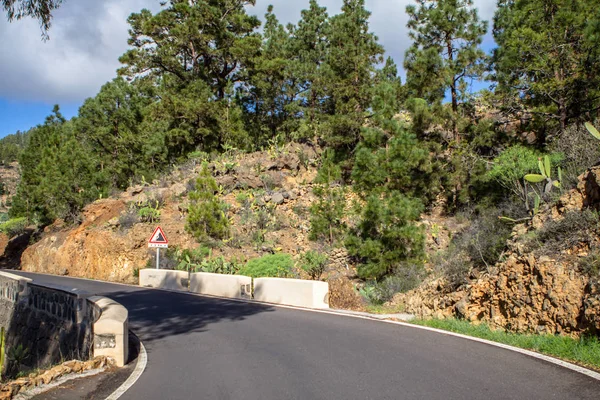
x=405, y=278
x=314, y=263
x=14, y=226
x=206, y=214
x=386, y=235
x=148, y=214
x=272, y=265
x=510, y=168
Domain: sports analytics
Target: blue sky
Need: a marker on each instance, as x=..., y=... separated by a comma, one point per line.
x=88, y=36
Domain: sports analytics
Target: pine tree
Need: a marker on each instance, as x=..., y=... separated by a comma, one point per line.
x=547, y=60
x=391, y=171
x=272, y=91
x=37, y=9
x=351, y=59
x=111, y=123
x=196, y=53
x=446, y=51
x=59, y=175
x=386, y=235
x=308, y=48
x=206, y=219
x=327, y=212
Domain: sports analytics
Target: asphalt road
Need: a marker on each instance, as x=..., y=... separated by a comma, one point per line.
x=204, y=348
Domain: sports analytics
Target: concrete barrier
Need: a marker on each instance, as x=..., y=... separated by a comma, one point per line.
x=231, y=286
x=293, y=292
x=111, y=330
x=164, y=279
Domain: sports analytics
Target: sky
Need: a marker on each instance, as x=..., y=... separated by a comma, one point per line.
x=88, y=36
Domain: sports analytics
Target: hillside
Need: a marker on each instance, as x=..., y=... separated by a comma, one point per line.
x=268, y=194
x=268, y=213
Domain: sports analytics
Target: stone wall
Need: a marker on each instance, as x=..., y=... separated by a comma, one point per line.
x=49, y=324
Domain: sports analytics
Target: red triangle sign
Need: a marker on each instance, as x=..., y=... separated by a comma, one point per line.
x=158, y=239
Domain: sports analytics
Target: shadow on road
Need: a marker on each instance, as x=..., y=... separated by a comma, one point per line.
x=155, y=314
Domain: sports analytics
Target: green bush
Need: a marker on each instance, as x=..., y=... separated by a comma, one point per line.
x=314, y=263
x=206, y=213
x=148, y=214
x=386, y=236
x=14, y=227
x=516, y=162
x=510, y=168
x=405, y=278
x=272, y=265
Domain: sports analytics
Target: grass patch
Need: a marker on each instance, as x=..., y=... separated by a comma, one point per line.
x=383, y=309
x=584, y=351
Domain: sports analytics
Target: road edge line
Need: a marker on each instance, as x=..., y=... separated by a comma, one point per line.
x=135, y=375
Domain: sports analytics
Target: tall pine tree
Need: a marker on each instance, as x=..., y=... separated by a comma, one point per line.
x=308, y=49
x=349, y=73
x=196, y=53
x=446, y=51
x=547, y=61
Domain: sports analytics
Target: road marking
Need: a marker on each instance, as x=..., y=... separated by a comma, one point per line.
x=565, y=364
x=135, y=375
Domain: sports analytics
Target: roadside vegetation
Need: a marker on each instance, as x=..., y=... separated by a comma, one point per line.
x=584, y=351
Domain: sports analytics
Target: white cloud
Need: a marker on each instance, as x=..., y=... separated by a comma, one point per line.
x=88, y=36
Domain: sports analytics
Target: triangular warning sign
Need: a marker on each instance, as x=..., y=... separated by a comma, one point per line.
x=158, y=239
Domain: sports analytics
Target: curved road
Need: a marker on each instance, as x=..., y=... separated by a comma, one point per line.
x=205, y=348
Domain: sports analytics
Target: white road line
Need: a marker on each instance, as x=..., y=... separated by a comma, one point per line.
x=135, y=375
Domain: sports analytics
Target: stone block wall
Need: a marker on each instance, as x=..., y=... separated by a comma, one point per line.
x=51, y=324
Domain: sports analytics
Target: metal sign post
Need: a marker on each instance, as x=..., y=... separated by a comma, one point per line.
x=158, y=240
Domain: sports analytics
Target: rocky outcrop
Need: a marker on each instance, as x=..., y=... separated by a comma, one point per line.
x=525, y=293
x=98, y=248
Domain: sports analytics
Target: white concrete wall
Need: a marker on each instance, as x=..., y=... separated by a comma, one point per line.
x=111, y=330
x=164, y=279
x=293, y=292
x=231, y=286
